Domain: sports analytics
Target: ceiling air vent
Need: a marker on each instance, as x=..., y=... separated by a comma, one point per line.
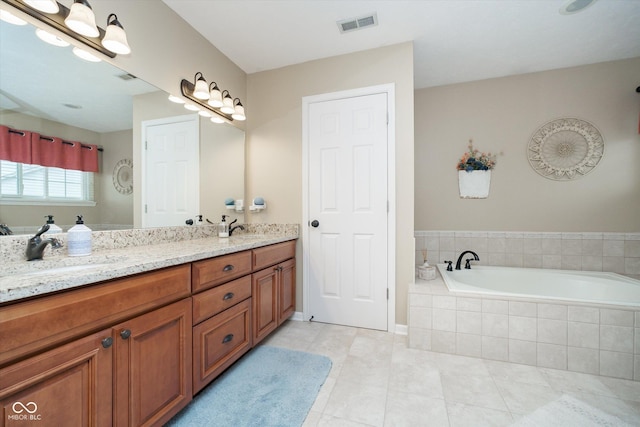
x=347, y=25
x=127, y=76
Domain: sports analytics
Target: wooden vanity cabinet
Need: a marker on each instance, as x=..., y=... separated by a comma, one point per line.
x=222, y=324
x=71, y=385
x=134, y=371
x=274, y=287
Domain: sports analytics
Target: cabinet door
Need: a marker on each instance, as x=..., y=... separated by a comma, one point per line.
x=286, y=290
x=265, y=299
x=153, y=366
x=67, y=386
x=220, y=341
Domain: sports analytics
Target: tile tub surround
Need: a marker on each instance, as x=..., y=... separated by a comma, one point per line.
x=586, y=338
x=119, y=254
x=613, y=252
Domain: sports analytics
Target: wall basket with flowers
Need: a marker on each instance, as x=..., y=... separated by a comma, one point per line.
x=474, y=173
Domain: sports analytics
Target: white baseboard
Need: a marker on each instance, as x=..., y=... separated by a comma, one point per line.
x=399, y=329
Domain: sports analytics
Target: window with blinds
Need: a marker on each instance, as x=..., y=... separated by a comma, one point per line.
x=24, y=182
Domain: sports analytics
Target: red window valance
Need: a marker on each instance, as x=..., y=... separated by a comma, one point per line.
x=24, y=146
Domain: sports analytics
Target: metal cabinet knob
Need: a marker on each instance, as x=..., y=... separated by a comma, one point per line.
x=107, y=342
x=125, y=333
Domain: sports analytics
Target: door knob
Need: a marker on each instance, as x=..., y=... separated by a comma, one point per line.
x=315, y=223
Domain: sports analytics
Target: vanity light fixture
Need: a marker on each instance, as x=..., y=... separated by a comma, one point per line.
x=79, y=23
x=191, y=107
x=210, y=98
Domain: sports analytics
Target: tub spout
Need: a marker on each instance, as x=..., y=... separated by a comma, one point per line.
x=475, y=257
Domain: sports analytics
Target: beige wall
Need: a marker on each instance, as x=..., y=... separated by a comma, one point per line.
x=114, y=207
x=274, y=140
x=501, y=115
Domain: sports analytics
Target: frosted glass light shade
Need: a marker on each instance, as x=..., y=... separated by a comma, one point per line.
x=115, y=39
x=82, y=20
x=47, y=37
x=81, y=53
x=201, y=90
x=215, y=97
x=217, y=120
x=227, y=106
x=10, y=18
x=238, y=113
x=46, y=6
x=175, y=99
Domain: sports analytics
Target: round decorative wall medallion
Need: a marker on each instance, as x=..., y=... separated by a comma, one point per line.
x=123, y=176
x=565, y=149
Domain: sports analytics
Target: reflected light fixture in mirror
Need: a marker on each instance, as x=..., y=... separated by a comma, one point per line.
x=83, y=54
x=52, y=39
x=10, y=18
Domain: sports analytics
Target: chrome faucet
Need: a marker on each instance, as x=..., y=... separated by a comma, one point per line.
x=36, y=244
x=467, y=264
x=233, y=228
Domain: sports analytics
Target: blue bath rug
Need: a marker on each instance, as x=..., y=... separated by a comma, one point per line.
x=269, y=386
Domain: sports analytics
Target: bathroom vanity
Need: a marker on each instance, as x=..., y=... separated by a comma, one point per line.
x=133, y=350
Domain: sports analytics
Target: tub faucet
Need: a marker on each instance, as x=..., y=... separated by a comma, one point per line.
x=36, y=244
x=236, y=227
x=475, y=257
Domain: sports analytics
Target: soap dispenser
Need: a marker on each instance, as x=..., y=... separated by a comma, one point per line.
x=53, y=228
x=79, y=239
x=223, y=227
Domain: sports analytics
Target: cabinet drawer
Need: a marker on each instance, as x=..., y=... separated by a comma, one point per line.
x=220, y=341
x=30, y=326
x=220, y=298
x=214, y=271
x=273, y=254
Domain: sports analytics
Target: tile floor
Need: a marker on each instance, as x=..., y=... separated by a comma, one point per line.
x=376, y=380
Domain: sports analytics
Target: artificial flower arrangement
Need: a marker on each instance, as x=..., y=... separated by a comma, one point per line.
x=474, y=160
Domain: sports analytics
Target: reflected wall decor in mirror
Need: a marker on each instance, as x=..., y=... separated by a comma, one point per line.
x=47, y=89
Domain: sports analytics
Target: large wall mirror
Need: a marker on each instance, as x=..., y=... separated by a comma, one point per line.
x=47, y=89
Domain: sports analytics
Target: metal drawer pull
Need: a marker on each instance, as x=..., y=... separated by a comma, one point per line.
x=227, y=339
x=228, y=296
x=125, y=333
x=228, y=267
x=107, y=342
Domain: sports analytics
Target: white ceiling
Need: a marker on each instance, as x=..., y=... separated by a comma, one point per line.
x=454, y=40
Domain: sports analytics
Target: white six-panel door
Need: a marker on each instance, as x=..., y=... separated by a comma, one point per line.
x=347, y=197
x=171, y=171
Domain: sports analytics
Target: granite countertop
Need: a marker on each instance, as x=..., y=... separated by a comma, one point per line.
x=23, y=279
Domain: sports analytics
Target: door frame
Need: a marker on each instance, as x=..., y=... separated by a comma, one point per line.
x=389, y=89
x=195, y=120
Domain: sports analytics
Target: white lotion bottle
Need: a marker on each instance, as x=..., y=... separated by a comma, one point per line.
x=223, y=227
x=79, y=239
x=53, y=228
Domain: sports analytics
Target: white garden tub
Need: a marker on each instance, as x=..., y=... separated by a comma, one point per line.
x=567, y=285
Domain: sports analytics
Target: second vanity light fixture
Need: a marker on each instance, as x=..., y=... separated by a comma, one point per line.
x=79, y=22
x=210, y=97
